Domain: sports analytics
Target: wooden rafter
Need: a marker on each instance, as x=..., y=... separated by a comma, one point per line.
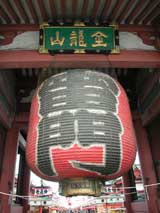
x=42, y=10
x=74, y=8
x=124, y=12
x=5, y=16
x=105, y=10
x=145, y=11
x=1, y=22
x=84, y=8
x=32, y=11
x=52, y=9
x=135, y=11
x=11, y=11
x=115, y=9
x=63, y=8
x=152, y=15
x=156, y=21
x=95, y=9
x=22, y=11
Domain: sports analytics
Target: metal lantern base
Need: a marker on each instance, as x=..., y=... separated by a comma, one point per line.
x=81, y=186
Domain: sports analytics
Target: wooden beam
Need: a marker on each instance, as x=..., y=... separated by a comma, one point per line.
x=135, y=59
x=35, y=27
x=19, y=27
x=136, y=28
x=32, y=59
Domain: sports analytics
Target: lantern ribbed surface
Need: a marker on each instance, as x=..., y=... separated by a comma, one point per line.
x=80, y=126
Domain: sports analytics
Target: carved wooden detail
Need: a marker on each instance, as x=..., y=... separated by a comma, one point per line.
x=7, y=37
x=151, y=37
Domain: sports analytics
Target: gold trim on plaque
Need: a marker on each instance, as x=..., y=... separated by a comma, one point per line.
x=81, y=51
x=42, y=48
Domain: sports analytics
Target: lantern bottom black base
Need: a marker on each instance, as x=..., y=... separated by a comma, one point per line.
x=81, y=186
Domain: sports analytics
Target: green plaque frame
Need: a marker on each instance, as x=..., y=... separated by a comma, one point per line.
x=79, y=38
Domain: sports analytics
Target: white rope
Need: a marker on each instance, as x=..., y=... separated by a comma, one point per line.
x=132, y=187
x=121, y=194
x=20, y=196
x=12, y=195
x=25, y=197
x=7, y=194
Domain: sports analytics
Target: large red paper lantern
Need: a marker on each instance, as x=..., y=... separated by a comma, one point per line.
x=80, y=126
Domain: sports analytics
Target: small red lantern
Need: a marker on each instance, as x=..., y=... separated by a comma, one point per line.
x=80, y=127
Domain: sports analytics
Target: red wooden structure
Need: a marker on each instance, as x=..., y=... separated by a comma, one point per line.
x=136, y=68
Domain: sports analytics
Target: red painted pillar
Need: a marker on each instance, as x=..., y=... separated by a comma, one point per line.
x=7, y=178
x=128, y=197
x=154, y=137
x=26, y=187
x=147, y=166
x=40, y=209
x=130, y=193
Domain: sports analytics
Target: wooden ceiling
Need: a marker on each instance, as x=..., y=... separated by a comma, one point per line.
x=146, y=12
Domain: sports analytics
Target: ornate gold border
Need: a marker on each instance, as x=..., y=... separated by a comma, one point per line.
x=42, y=49
x=116, y=49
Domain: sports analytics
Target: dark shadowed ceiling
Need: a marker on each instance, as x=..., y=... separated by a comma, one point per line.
x=110, y=11
x=28, y=79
